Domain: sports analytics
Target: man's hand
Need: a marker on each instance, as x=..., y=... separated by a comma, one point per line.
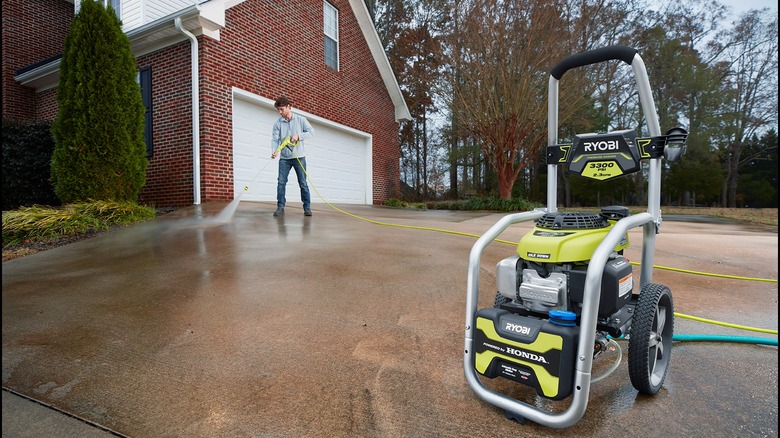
x=294, y=138
x=274, y=155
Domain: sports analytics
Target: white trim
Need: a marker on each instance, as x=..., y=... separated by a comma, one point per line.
x=41, y=78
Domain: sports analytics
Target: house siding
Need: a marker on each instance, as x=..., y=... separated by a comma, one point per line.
x=267, y=49
x=32, y=31
x=136, y=13
x=132, y=14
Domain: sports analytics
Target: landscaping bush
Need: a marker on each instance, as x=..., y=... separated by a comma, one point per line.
x=27, y=151
x=99, y=129
x=487, y=203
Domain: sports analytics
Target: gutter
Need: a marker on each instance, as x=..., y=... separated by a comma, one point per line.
x=195, y=111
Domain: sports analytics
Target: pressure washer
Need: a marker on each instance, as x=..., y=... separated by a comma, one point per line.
x=568, y=290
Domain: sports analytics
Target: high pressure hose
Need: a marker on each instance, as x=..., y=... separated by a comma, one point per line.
x=614, y=365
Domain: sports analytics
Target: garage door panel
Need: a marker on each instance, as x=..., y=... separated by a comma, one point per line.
x=337, y=159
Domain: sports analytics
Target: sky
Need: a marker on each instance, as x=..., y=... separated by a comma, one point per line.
x=740, y=6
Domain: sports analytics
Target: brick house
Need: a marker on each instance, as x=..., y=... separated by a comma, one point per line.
x=238, y=56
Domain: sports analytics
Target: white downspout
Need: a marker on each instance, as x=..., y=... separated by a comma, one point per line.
x=195, y=111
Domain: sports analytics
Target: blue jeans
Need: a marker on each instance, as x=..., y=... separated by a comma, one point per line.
x=284, y=171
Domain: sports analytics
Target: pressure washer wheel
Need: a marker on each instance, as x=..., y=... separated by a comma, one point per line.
x=650, y=343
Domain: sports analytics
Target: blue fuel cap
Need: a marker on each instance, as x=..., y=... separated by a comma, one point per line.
x=563, y=317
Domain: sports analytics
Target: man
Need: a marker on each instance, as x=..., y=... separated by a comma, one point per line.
x=298, y=129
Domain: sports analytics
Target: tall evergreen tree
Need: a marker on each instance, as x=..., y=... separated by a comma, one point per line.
x=99, y=130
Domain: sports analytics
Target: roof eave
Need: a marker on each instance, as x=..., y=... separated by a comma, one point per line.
x=144, y=39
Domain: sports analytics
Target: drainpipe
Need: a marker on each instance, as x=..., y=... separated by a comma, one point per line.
x=195, y=111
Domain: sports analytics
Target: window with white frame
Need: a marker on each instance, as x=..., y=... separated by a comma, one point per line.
x=331, y=28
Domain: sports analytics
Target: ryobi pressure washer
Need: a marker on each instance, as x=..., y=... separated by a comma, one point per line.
x=568, y=288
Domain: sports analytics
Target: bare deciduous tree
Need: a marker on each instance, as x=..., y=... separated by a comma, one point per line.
x=505, y=51
x=750, y=51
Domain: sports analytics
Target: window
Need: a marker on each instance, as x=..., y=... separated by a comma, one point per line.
x=144, y=79
x=331, y=27
x=116, y=4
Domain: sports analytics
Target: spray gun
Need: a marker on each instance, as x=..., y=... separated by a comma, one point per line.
x=285, y=143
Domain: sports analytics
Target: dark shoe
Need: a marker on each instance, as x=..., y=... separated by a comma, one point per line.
x=307, y=212
x=279, y=212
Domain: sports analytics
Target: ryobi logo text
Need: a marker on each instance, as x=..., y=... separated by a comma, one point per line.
x=517, y=328
x=600, y=146
x=526, y=355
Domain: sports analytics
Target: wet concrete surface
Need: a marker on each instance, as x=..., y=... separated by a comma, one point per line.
x=329, y=326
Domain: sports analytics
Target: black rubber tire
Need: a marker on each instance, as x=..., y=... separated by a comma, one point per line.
x=650, y=342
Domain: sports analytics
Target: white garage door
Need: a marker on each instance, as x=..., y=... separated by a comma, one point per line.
x=338, y=158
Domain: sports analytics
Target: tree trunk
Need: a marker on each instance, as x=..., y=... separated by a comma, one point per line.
x=453, y=169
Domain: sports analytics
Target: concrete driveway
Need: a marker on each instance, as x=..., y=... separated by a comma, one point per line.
x=330, y=326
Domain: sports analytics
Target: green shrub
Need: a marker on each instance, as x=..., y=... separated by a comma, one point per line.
x=393, y=202
x=99, y=130
x=488, y=203
x=27, y=150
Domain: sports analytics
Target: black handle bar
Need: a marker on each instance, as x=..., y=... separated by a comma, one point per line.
x=622, y=53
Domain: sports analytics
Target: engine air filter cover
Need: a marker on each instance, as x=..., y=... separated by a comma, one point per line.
x=572, y=221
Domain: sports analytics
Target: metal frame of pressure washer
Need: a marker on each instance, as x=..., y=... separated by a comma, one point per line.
x=650, y=220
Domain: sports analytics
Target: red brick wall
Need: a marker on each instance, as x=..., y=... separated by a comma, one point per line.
x=169, y=175
x=46, y=105
x=32, y=31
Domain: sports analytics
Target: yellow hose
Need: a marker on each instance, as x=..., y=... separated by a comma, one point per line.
x=725, y=324
x=733, y=277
